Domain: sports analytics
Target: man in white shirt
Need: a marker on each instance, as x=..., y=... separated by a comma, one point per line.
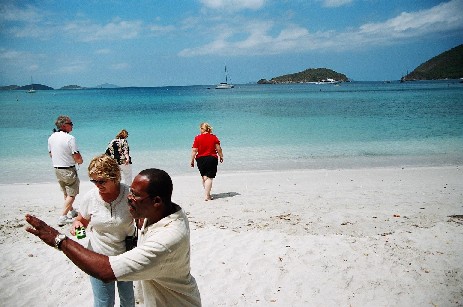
x=64, y=154
x=161, y=259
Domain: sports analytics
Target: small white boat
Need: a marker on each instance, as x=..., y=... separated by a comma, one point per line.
x=31, y=90
x=328, y=81
x=224, y=85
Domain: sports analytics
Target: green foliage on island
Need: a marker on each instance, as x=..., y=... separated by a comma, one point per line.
x=38, y=87
x=306, y=76
x=447, y=65
x=8, y=87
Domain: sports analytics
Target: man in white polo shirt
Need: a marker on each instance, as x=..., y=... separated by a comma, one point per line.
x=161, y=259
x=64, y=154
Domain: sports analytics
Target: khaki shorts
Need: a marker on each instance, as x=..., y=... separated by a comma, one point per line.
x=68, y=181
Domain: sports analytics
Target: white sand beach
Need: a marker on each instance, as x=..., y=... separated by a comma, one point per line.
x=352, y=237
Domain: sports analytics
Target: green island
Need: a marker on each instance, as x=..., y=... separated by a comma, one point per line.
x=311, y=75
x=447, y=65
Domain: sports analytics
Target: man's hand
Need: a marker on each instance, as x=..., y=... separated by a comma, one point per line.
x=40, y=229
x=96, y=265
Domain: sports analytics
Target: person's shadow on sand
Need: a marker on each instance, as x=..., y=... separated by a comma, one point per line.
x=225, y=195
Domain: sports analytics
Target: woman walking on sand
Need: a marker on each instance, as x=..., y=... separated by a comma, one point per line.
x=206, y=151
x=118, y=149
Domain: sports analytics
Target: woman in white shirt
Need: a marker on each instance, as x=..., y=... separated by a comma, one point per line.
x=105, y=213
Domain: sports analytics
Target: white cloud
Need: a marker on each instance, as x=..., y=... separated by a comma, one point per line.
x=72, y=68
x=114, y=30
x=33, y=67
x=27, y=14
x=29, y=21
x=103, y=51
x=258, y=42
x=160, y=30
x=120, y=66
x=20, y=60
x=443, y=17
x=31, y=30
x=233, y=5
x=335, y=3
x=258, y=38
x=11, y=54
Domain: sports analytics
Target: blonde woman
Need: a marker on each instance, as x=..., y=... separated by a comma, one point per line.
x=118, y=149
x=206, y=151
x=105, y=213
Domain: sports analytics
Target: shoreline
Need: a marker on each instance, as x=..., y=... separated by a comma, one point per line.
x=46, y=174
x=372, y=236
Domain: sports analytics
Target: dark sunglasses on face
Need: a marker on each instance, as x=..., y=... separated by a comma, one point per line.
x=100, y=182
x=70, y=123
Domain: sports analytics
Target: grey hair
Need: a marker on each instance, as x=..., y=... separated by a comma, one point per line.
x=61, y=120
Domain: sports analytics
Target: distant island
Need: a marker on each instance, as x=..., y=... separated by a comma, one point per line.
x=447, y=65
x=77, y=87
x=40, y=87
x=311, y=75
x=26, y=87
x=72, y=87
x=107, y=85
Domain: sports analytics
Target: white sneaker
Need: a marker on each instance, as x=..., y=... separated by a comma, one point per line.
x=63, y=220
x=73, y=213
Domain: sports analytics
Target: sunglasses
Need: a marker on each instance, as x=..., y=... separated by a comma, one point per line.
x=100, y=182
x=70, y=123
x=135, y=198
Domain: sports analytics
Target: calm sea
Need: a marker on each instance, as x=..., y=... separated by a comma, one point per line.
x=261, y=127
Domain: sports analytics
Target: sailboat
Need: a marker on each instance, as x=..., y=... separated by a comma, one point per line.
x=31, y=90
x=224, y=85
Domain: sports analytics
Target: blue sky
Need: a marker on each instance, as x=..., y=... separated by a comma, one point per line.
x=158, y=43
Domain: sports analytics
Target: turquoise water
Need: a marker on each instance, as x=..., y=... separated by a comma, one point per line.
x=261, y=127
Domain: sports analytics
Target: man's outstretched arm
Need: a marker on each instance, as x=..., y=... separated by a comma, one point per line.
x=94, y=264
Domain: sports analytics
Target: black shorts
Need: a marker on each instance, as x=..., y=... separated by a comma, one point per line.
x=207, y=166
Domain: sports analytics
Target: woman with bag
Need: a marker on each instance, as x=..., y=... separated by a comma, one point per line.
x=118, y=149
x=105, y=212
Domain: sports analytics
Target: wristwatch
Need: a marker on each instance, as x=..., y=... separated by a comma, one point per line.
x=59, y=238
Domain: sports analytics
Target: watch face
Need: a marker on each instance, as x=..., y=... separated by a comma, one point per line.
x=59, y=238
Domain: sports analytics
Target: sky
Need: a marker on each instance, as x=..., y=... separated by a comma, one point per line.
x=189, y=42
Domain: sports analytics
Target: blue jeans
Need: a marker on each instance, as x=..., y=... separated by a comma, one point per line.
x=104, y=293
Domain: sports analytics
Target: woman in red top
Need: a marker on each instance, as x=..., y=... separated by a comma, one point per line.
x=207, y=151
